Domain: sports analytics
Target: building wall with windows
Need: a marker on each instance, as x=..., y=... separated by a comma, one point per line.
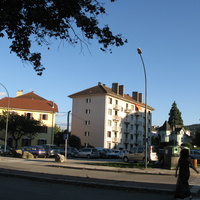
x=106, y=117
x=32, y=106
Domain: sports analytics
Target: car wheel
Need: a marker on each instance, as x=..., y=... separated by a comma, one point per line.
x=125, y=159
x=88, y=156
x=35, y=156
x=69, y=156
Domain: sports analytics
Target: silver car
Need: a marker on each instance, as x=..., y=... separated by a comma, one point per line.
x=88, y=153
x=138, y=154
x=51, y=149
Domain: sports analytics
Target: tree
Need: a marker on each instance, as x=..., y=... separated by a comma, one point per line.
x=75, y=141
x=73, y=21
x=20, y=126
x=196, y=140
x=175, y=116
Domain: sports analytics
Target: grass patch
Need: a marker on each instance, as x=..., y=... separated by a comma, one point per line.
x=123, y=165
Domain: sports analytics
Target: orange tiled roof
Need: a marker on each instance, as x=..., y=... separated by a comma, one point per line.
x=29, y=101
x=102, y=89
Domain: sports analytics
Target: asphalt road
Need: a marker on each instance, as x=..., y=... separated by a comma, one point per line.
x=23, y=189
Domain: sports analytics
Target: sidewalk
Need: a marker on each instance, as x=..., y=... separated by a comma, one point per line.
x=79, y=172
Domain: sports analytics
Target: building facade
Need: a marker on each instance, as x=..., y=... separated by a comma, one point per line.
x=32, y=106
x=109, y=118
x=178, y=136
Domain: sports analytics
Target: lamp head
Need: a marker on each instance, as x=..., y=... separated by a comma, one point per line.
x=139, y=51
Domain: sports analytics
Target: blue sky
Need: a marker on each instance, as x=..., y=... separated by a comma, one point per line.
x=167, y=31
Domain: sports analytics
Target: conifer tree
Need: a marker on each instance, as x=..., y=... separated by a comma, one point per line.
x=175, y=116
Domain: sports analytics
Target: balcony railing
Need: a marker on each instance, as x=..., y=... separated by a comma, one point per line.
x=116, y=128
x=117, y=140
x=116, y=107
x=127, y=110
x=116, y=118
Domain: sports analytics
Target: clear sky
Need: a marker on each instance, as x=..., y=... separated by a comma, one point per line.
x=167, y=31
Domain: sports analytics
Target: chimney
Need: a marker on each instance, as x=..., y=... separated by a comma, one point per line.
x=115, y=88
x=140, y=97
x=121, y=90
x=135, y=96
x=19, y=93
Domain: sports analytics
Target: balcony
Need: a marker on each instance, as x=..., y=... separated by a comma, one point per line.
x=116, y=118
x=127, y=110
x=127, y=121
x=127, y=131
x=138, y=123
x=116, y=128
x=116, y=140
x=116, y=107
x=138, y=113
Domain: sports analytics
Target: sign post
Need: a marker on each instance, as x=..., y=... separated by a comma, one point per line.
x=65, y=138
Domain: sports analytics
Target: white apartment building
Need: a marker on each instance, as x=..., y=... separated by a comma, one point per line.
x=109, y=118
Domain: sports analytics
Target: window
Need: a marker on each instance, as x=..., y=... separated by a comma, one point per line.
x=88, y=100
x=131, y=126
x=110, y=100
x=109, y=134
x=131, y=136
x=29, y=115
x=131, y=117
x=132, y=107
x=43, y=117
x=87, y=111
x=43, y=129
x=42, y=141
x=109, y=111
x=26, y=142
x=116, y=101
x=87, y=133
x=109, y=123
x=87, y=122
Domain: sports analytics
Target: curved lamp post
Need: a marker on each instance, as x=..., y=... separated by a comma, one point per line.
x=6, y=134
x=146, y=129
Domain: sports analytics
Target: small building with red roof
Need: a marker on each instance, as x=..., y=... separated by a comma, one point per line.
x=31, y=105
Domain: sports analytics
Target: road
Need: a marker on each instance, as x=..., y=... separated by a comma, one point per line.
x=23, y=189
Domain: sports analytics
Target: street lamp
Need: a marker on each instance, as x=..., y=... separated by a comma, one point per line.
x=146, y=129
x=6, y=134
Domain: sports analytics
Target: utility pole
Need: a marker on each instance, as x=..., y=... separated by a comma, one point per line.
x=67, y=135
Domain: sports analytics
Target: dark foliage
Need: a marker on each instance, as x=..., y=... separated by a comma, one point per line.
x=36, y=21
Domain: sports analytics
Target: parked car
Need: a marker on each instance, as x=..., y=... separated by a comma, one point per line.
x=119, y=153
x=88, y=153
x=107, y=153
x=138, y=154
x=8, y=150
x=195, y=154
x=51, y=149
x=37, y=151
x=71, y=152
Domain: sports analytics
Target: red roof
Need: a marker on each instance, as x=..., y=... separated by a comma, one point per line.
x=29, y=101
x=103, y=90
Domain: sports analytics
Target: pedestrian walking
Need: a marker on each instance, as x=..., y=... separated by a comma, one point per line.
x=183, y=166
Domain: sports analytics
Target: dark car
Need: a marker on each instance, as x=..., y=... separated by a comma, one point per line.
x=51, y=149
x=71, y=152
x=37, y=151
x=2, y=150
x=195, y=154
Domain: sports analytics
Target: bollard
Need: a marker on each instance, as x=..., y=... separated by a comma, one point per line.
x=194, y=162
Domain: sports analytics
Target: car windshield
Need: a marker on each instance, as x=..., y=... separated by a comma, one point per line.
x=54, y=147
x=94, y=150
